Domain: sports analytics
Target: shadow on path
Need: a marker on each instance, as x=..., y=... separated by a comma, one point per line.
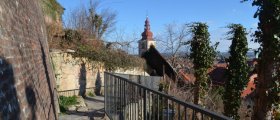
x=93, y=99
x=96, y=114
x=91, y=114
x=95, y=110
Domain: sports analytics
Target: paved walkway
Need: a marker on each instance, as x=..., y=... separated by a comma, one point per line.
x=95, y=107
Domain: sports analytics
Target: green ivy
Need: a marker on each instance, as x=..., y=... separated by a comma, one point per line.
x=52, y=8
x=112, y=58
x=268, y=36
x=237, y=73
x=202, y=55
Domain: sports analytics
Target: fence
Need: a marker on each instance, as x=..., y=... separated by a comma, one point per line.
x=74, y=92
x=148, y=81
x=127, y=100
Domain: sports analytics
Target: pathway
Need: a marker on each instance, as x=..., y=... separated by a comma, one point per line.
x=95, y=107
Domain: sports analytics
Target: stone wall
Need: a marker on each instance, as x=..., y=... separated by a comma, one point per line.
x=77, y=73
x=73, y=73
x=26, y=79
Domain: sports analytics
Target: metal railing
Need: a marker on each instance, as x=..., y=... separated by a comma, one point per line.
x=127, y=100
x=148, y=81
x=74, y=92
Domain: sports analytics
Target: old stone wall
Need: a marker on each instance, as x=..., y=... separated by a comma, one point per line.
x=26, y=79
x=77, y=73
x=74, y=73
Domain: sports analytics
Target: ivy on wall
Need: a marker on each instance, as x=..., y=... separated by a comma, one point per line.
x=52, y=8
x=96, y=50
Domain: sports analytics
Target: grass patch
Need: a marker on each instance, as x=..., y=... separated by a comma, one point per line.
x=65, y=102
x=90, y=94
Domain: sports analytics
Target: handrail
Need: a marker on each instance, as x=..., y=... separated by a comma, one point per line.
x=77, y=89
x=169, y=97
x=73, y=92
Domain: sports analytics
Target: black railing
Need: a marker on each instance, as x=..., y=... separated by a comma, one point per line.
x=127, y=100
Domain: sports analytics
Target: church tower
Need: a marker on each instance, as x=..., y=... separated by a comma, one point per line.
x=147, y=38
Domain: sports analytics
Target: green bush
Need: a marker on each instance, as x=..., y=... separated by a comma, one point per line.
x=91, y=94
x=64, y=102
x=98, y=50
x=112, y=58
x=72, y=36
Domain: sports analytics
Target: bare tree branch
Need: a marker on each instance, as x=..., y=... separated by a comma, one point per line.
x=173, y=40
x=92, y=22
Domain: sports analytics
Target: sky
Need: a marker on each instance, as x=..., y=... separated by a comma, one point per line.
x=131, y=15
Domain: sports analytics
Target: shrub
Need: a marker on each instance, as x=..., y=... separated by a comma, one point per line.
x=65, y=102
x=91, y=94
x=72, y=36
x=112, y=58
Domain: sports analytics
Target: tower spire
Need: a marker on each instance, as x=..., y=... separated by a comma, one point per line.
x=147, y=23
x=147, y=38
x=147, y=34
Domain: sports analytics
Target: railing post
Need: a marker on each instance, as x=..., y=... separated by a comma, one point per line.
x=115, y=95
x=145, y=105
x=119, y=99
x=105, y=91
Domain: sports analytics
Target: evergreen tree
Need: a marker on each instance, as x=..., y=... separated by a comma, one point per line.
x=202, y=55
x=237, y=73
x=268, y=81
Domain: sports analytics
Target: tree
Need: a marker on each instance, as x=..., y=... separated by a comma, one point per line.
x=268, y=81
x=92, y=22
x=100, y=23
x=237, y=73
x=202, y=55
x=175, y=37
x=121, y=40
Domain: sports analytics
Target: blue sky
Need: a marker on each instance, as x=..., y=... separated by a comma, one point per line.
x=131, y=15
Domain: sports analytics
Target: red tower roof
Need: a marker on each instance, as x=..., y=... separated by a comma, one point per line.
x=147, y=34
